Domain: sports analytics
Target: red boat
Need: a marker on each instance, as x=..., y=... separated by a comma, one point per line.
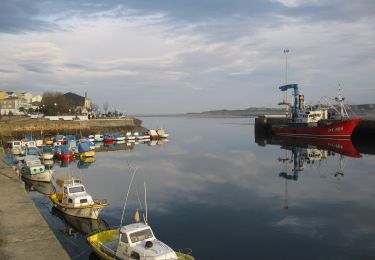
x=319, y=123
x=332, y=130
x=63, y=153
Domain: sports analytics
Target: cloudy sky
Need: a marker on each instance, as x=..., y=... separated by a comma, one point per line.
x=167, y=56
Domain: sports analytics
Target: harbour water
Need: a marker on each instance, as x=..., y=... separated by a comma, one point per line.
x=212, y=189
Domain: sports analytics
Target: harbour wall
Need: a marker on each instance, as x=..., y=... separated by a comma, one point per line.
x=22, y=126
x=24, y=234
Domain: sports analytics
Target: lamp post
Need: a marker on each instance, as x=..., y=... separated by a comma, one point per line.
x=286, y=51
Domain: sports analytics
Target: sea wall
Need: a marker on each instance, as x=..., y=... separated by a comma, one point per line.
x=22, y=126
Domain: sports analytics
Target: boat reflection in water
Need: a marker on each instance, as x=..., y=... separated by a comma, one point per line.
x=45, y=188
x=302, y=152
x=48, y=164
x=76, y=225
x=85, y=162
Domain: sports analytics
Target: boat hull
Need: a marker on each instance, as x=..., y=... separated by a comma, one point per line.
x=338, y=130
x=89, y=211
x=45, y=176
x=47, y=156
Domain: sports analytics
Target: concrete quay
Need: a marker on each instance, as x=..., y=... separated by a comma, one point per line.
x=24, y=234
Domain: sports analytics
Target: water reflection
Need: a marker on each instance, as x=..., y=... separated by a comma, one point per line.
x=45, y=188
x=212, y=186
x=302, y=152
x=76, y=225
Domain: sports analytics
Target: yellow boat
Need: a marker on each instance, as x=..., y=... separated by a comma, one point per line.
x=87, y=154
x=75, y=201
x=134, y=241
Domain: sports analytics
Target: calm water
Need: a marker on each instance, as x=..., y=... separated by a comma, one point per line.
x=211, y=188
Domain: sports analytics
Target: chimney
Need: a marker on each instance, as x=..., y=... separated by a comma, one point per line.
x=85, y=94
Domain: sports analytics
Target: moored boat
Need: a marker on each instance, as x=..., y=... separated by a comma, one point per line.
x=318, y=123
x=162, y=133
x=129, y=136
x=15, y=147
x=84, y=150
x=108, y=138
x=63, y=153
x=34, y=170
x=99, y=138
x=46, y=153
x=153, y=134
x=118, y=137
x=133, y=241
x=75, y=201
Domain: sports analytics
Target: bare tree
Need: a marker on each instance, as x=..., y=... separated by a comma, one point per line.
x=95, y=108
x=105, y=107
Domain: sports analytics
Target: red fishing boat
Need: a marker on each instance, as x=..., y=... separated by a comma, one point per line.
x=318, y=123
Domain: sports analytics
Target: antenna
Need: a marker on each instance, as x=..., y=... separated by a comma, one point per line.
x=145, y=219
x=127, y=195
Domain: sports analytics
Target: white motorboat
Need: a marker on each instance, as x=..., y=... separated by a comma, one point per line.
x=75, y=201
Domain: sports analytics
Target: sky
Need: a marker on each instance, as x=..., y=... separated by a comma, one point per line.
x=174, y=56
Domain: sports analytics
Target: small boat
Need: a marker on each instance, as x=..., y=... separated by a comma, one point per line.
x=118, y=137
x=153, y=134
x=15, y=147
x=99, y=138
x=48, y=140
x=60, y=139
x=129, y=136
x=133, y=241
x=63, y=153
x=34, y=170
x=141, y=136
x=318, y=123
x=32, y=150
x=75, y=201
x=91, y=138
x=46, y=153
x=108, y=138
x=84, y=150
x=161, y=133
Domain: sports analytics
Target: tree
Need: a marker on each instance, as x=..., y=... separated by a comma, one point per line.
x=22, y=110
x=105, y=107
x=54, y=103
x=95, y=108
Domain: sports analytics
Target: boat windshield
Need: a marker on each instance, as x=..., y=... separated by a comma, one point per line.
x=141, y=235
x=76, y=189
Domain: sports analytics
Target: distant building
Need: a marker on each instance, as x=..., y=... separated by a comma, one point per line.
x=36, y=99
x=11, y=105
x=81, y=104
x=3, y=95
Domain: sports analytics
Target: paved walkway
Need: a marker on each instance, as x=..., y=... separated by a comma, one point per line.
x=24, y=234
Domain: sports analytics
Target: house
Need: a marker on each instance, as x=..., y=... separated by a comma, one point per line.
x=11, y=105
x=81, y=104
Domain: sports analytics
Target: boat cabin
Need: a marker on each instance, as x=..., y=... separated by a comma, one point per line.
x=74, y=193
x=137, y=241
x=312, y=116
